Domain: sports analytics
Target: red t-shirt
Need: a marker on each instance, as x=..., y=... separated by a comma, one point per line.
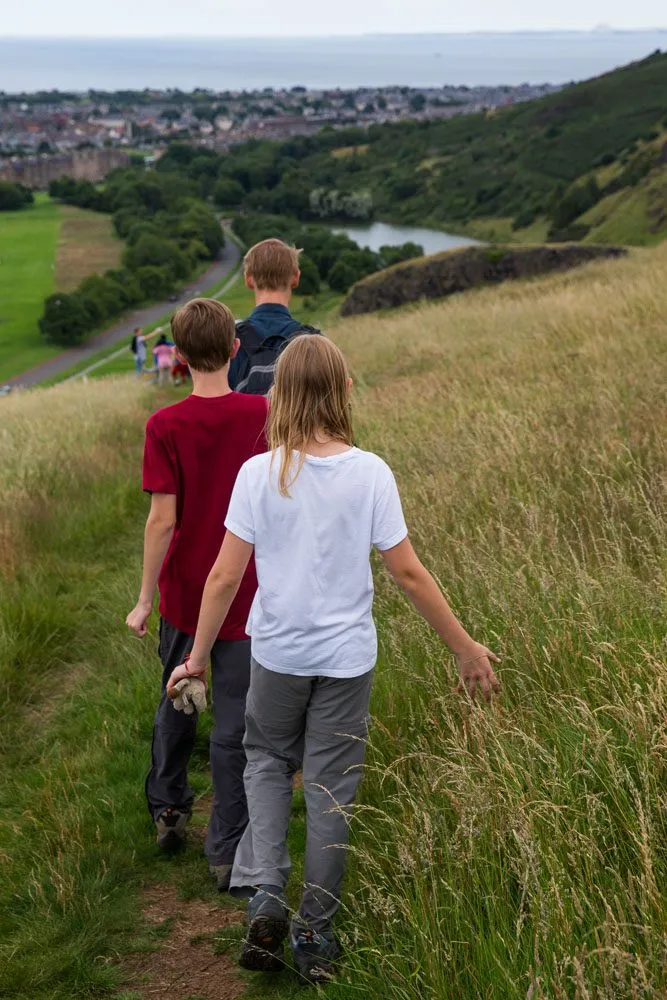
x=194, y=449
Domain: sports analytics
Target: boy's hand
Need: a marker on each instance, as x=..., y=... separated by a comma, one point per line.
x=179, y=673
x=137, y=620
x=476, y=672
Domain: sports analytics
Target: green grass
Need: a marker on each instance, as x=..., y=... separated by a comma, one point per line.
x=499, y=230
x=516, y=851
x=27, y=257
x=636, y=215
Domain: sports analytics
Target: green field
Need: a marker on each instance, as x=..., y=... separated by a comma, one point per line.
x=28, y=242
x=506, y=852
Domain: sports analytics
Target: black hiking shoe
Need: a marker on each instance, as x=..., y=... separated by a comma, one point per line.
x=222, y=875
x=315, y=955
x=268, y=927
x=170, y=826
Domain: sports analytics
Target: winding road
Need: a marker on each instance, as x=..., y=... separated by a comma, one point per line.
x=124, y=329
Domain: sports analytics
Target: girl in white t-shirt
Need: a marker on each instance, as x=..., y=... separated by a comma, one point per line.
x=311, y=510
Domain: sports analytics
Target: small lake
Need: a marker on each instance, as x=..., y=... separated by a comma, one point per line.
x=380, y=234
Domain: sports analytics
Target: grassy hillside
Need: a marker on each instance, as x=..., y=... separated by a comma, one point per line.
x=636, y=215
x=515, y=163
x=513, y=852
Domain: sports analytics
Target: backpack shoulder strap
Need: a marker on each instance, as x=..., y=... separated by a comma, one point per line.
x=249, y=337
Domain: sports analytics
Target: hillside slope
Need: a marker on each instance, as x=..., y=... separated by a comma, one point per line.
x=513, y=163
x=510, y=852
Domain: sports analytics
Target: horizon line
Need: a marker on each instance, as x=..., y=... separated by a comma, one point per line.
x=179, y=36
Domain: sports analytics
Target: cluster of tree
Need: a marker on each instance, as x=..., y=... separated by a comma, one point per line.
x=168, y=231
x=327, y=256
x=514, y=162
x=14, y=196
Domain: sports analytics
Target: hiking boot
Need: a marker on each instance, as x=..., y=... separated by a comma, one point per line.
x=222, y=875
x=315, y=955
x=268, y=927
x=170, y=826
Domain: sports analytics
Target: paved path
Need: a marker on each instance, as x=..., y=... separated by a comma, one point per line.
x=123, y=330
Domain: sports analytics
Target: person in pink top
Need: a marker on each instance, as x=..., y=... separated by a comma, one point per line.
x=164, y=358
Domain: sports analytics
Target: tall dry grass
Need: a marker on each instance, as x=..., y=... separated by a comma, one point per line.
x=519, y=851
x=70, y=461
x=54, y=444
x=515, y=851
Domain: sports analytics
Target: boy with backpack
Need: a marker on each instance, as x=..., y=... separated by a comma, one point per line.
x=193, y=453
x=271, y=271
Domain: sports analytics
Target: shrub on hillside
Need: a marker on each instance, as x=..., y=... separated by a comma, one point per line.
x=309, y=283
x=65, y=320
x=14, y=196
x=129, y=287
x=103, y=296
x=154, y=251
x=396, y=255
x=342, y=276
x=525, y=219
x=577, y=199
x=154, y=281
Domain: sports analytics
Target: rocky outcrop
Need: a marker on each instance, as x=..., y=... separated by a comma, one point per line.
x=458, y=270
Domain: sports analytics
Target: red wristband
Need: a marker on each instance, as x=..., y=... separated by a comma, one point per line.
x=185, y=664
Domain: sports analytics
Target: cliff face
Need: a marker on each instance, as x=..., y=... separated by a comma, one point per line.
x=458, y=270
x=86, y=165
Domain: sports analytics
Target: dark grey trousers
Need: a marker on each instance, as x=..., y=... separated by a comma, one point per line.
x=320, y=724
x=174, y=736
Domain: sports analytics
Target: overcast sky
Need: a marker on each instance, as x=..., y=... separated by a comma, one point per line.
x=313, y=17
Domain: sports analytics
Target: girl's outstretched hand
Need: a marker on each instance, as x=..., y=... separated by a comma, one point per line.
x=476, y=672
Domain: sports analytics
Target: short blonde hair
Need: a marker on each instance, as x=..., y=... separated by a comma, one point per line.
x=271, y=264
x=204, y=331
x=310, y=394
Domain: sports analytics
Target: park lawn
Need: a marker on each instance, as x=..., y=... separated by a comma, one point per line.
x=87, y=244
x=28, y=241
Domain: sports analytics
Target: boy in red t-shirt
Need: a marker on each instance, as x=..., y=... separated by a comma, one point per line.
x=194, y=450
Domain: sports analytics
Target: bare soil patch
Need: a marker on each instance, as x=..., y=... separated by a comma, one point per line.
x=87, y=245
x=185, y=965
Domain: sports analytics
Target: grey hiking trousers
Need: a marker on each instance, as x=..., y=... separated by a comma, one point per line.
x=321, y=725
x=174, y=737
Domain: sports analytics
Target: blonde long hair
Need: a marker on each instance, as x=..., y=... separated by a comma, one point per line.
x=310, y=395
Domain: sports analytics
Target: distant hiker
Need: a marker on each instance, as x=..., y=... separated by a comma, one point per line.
x=271, y=270
x=311, y=510
x=194, y=450
x=179, y=371
x=163, y=352
x=138, y=348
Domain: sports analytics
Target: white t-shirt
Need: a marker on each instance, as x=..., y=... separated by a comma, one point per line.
x=312, y=614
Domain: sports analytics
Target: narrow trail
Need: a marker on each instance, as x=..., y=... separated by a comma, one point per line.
x=123, y=330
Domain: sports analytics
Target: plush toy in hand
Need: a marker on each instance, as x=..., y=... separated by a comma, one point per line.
x=188, y=695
